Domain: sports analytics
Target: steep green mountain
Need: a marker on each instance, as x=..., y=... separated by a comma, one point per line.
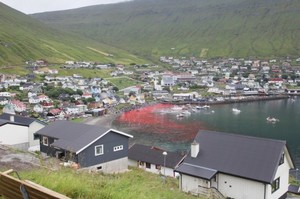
x=24, y=38
x=207, y=28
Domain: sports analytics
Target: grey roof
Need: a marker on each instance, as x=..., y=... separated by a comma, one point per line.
x=73, y=136
x=243, y=156
x=154, y=155
x=197, y=171
x=3, y=122
x=20, y=119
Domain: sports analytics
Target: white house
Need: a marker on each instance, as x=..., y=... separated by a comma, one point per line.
x=5, y=94
x=236, y=166
x=13, y=134
x=154, y=160
x=33, y=100
x=23, y=137
x=72, y=110
x=43, y=98
x=38, y=108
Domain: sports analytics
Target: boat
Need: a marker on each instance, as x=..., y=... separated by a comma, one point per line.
x=272, y=119
x=186, y=112
x=202, y=107
x=180, y=115
x=176, y=108
x=235, y=110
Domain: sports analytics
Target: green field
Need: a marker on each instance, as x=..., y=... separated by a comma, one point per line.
x=123, y=82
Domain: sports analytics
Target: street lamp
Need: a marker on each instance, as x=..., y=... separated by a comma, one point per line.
x=165, y=155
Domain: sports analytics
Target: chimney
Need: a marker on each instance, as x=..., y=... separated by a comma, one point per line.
x=12, y=118
x=195, y=148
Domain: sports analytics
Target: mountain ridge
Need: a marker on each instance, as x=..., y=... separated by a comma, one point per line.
x=23, y=38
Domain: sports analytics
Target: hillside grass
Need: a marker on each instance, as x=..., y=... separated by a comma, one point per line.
x=238, y=28
x=23, y=38
x=132, y=184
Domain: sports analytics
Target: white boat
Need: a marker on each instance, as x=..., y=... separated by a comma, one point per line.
x=176, y=108
x=186, y=112
x=202, y=107
x=272, y=119
x=235, y=110
x=180, y=115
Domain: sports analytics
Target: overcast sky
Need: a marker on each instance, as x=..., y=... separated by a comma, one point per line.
x=35, y=6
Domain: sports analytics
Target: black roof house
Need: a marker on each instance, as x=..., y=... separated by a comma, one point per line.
x=4, y=122
x=19, y=119
x=92, y=147
x=237, y=155
x=75, y=137
x=154, y=155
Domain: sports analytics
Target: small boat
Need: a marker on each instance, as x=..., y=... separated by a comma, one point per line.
x=206, y=106
x=176, y=108
x=202, y=107
x=235, y=110
x=272, y=119
x=180, y=115
x=186, y=112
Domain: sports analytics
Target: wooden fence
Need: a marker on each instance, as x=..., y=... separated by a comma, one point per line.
x=11, y=187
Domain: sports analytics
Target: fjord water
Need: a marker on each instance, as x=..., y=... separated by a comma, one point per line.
x=158, y=125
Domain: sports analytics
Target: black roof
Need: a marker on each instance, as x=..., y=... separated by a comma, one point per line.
x=20, y=119
x=243, y=156
x=73, y=136
x=154, y=155
x=197, y=171
x=3, y=122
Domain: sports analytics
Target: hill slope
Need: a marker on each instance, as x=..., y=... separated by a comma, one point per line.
x=191, y=27
x=24, y=38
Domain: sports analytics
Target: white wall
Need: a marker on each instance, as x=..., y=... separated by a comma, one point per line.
x=168, y=171
x=34, y=127
x=11, y=134
x=115, y=166
x=192, y=184
x=240, y=188
x=283, y=173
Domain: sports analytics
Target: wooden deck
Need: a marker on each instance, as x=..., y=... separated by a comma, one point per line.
x=11, y=187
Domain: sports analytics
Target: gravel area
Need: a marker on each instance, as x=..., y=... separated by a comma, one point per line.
x=21, y=160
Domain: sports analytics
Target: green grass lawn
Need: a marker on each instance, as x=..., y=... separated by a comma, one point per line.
x=123, y=82
x=132, y=184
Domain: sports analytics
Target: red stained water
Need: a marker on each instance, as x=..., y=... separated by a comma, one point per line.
x=151, y=120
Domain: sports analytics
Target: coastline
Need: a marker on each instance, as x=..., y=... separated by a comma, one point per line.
x=107, y=119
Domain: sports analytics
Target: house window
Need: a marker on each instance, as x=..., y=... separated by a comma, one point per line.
x=99, y=150
x=281, y=159
x=45, y=141
x=141, y=163
x=275, y=185
x=118, y=148
x=148, y=165
x=158, y=167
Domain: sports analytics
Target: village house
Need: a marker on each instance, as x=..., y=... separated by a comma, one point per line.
x=154, y=160
x=33, y=125
x=91, y=147
x=236, y=166
x=18, y=105
x=13, y=134
x=133, y=89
